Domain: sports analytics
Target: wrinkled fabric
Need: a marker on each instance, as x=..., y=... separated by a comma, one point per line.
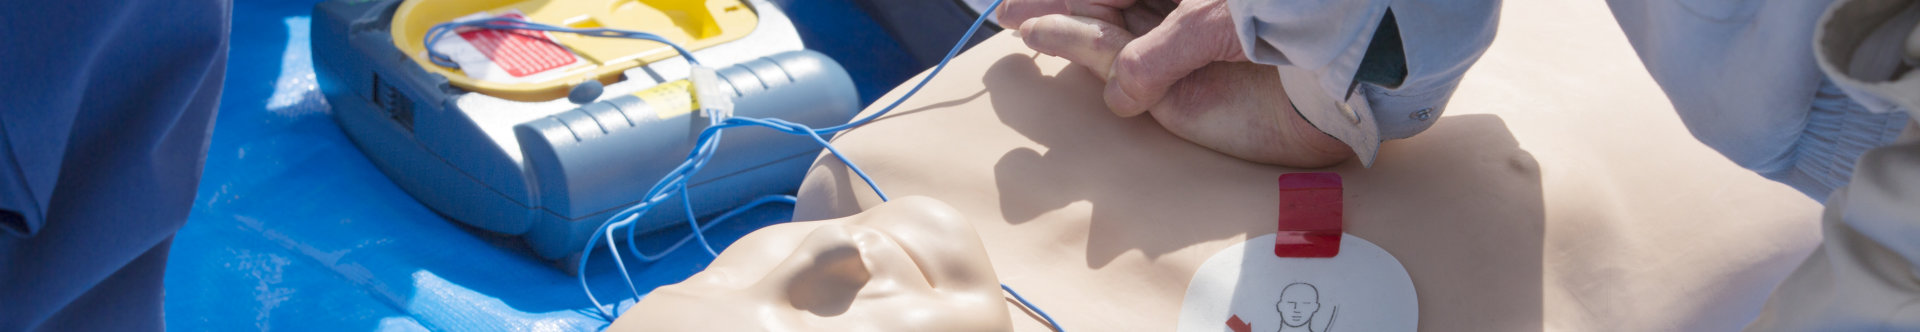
x=1837, y=131
x=1866, y=274
x=107, y=108
x=1743, y=78
x=1440, y=40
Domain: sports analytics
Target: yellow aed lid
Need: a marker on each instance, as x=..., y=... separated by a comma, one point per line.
x=694, y=24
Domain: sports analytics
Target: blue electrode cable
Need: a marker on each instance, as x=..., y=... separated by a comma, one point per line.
x=705, y=146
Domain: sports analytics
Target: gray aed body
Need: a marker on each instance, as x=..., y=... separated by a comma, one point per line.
x=552, y=171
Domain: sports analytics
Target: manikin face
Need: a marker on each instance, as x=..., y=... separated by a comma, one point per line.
x=911, y=264
x=1298, y=303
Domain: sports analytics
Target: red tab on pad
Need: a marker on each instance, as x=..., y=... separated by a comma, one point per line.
x=1234, y=323
x=1310, y=216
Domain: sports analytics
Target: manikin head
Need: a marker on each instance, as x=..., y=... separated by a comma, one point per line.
x=1298, y=303
x=911, y=264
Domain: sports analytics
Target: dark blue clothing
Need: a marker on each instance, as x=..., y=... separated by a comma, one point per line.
x=106, y=108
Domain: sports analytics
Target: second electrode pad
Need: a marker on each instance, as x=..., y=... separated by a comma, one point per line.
x=1247, y=288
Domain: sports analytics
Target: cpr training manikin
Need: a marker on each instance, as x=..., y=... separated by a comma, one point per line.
x=1530, y=206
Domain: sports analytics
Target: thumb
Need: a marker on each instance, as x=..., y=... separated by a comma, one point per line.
x=1085, y=41
x=1195, y=34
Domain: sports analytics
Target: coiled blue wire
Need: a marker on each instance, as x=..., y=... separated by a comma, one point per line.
x=705, y=145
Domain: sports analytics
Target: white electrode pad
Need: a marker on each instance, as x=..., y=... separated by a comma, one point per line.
x=1247, y=288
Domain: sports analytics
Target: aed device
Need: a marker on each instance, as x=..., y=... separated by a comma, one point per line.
x=498, y=144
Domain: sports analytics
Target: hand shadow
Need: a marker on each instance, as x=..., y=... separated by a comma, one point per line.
x=1460, y=205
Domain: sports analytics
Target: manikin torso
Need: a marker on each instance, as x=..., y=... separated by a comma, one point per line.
x=1557, y=210
x=1103, y=220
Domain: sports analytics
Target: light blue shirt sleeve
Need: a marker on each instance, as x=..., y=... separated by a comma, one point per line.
x=1440, y=40
x=1866, y=273
x=1743, y=78
x=1821, y=156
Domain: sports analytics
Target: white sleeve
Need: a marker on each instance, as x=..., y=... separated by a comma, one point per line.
x=1866, y=273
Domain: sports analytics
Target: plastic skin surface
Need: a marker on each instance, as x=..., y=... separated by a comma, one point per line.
x=1574, y=200
x=1550, y=197
x=911, y=264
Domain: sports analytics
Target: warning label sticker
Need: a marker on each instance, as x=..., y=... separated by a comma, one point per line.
x=669, y=99
x=507, y=56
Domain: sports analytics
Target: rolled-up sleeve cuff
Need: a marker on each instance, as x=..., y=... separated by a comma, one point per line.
x=1838, y=131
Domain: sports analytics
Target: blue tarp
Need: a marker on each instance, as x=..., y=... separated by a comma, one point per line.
x=294, y=229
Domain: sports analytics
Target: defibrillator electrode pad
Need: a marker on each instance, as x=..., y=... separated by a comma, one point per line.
x=1247, y=288
x=1309, y=275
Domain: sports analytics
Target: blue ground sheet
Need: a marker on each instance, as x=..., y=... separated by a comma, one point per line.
x=294, y=229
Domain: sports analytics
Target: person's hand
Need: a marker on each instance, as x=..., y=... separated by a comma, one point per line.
x=1194, y=33
x=1237, y=108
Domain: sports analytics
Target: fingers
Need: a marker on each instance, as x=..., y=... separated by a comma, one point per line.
x=1141, y=19
x=1159, y=7
x=1195, y=34
x=1014, y=13
x=1085, y=41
